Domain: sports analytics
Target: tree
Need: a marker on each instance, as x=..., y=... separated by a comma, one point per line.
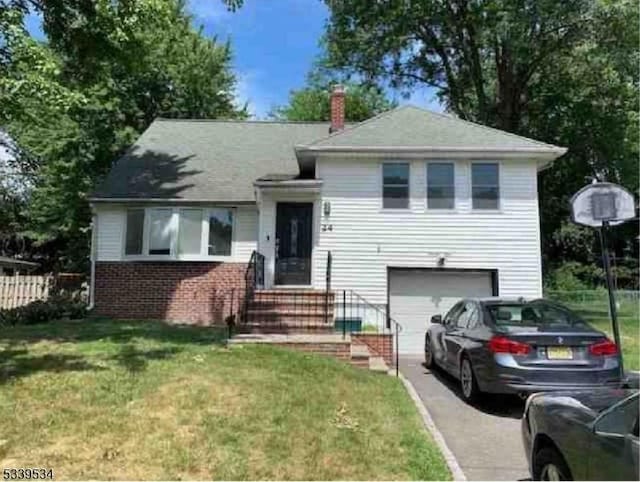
x=561, y=72
x=74, y=104
x=481, y=56
x=311, y=103
x=589, y=103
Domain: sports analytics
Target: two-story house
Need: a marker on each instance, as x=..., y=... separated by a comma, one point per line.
x=416, y=208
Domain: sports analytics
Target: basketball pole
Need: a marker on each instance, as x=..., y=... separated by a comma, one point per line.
x=612, y=301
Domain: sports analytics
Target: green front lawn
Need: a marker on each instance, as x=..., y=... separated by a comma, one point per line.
x=595, y=310
x=598, y=315
x=143, y=400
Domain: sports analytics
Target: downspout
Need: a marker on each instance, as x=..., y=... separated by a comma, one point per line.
x=94, y=238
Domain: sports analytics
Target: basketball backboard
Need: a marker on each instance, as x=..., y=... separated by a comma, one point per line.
x=602, y=202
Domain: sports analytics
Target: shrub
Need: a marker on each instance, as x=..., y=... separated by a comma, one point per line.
x=565, y=278
x=43, y=311
x=572, y=276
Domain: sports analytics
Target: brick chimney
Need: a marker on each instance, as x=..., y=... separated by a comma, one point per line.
x=337, y=108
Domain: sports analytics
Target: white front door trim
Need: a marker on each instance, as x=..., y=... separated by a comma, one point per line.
x=267, y=199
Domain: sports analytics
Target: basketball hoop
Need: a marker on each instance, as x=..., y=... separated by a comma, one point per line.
x=601, y=205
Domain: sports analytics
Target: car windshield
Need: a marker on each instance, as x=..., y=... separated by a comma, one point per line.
x=533, y=313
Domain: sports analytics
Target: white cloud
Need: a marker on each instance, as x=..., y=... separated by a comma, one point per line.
x=425, y=97
x=249, y=92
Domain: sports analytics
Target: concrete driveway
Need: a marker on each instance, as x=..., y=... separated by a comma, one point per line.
x=485, y=439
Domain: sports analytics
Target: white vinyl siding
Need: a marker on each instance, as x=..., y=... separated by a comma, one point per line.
x=365, y=240
x=245, y=233
x=111, y=235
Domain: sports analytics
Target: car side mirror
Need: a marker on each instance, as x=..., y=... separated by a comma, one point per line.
x=437, y=319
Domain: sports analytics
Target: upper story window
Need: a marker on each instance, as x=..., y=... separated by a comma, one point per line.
x=441, y=185
x=485, y=185
x=184, y=233
x=395, y=185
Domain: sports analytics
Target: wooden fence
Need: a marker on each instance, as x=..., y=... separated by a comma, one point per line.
x=21, y=290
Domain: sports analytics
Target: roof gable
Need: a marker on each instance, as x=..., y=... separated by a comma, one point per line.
x=410, y=126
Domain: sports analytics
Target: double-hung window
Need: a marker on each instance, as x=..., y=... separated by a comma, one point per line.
x=179, y=233
x=220, y=232
x=395, y=185
x=135, y=232
x=190, y=231
x=485, y=185
x=160, y=231
x=441, y=185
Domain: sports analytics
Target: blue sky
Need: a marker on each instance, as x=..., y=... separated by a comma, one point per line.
x=274, y=45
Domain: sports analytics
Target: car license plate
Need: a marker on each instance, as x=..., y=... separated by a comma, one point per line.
x=559, y=353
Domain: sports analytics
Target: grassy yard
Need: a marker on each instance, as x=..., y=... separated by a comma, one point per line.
x=140, y=400
x=596, y=312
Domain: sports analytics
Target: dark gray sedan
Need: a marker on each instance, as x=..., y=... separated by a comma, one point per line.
x=582, y=435
x=512, y=346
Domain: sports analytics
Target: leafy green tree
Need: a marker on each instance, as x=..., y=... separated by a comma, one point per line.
x=73, y=104
x=311, y=103
x=481, y=56
x=589, y=103
x=562, y=72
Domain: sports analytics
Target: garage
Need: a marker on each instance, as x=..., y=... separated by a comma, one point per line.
x=415, y=295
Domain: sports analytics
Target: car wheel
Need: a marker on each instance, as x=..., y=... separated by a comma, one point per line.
x=428, y=353
x=468, y=384
x=548, y=464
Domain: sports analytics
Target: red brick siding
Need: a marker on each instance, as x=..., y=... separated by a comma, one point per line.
x=189, y=292
x=341, y=351
x=378, y=344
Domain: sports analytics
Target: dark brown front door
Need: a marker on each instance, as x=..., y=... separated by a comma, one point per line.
x=294, y=232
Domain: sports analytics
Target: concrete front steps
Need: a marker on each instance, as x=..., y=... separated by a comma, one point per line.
x=361, y=357
x=333, y=345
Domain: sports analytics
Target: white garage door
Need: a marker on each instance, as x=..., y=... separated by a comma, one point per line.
x=415, y=295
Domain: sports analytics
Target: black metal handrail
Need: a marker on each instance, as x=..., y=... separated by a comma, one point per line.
x=355, y=309
x=327, y=287
x=253, y=278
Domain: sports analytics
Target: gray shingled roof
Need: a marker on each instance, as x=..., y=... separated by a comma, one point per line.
x=207, y=160
x=410, y=126
x=220, y=160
